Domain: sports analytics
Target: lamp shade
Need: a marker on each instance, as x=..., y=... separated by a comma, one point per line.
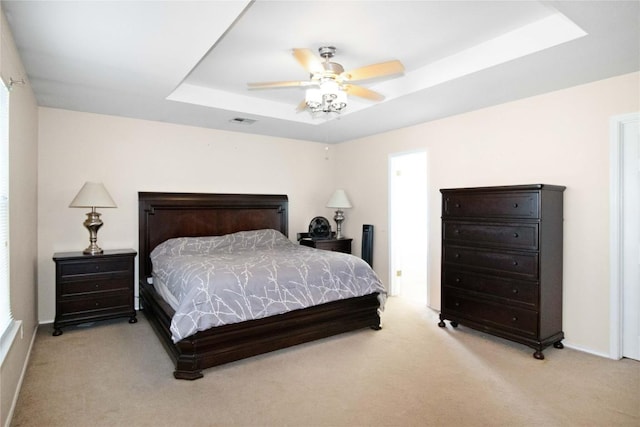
x=93, y=195
x=339, y=200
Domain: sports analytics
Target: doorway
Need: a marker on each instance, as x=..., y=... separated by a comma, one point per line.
x=408, y=226
x=625, y=236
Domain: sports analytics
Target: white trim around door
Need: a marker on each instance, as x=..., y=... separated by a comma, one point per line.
x=616, y=140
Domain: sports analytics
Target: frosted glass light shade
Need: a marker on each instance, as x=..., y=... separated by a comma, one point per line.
x=339, y=200
x=93, y=195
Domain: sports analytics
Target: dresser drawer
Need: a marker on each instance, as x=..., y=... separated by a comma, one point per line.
x=514, y=264
x=97, y=284
x=515, y=291
x=510, y=236
x=491, y=205
x=80, y=306
x=70, y=269
x=494, y=315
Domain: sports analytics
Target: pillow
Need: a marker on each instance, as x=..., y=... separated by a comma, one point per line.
x=228, y=243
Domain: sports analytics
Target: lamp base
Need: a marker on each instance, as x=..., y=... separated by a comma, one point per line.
x=338, y=218
x=93, y=250
x=93, y=224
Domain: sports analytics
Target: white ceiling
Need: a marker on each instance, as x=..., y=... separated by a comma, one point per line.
x=189, y=62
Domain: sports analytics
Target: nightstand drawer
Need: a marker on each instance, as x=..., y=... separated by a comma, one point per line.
x=336, y=245
x=71, y=269
x=80, y=306
x=100, y=284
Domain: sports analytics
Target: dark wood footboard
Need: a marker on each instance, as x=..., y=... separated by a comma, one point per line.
x=237, y=341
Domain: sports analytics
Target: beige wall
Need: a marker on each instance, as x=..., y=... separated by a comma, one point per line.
x=557, y=138
x=23, y=167
x=131, y=155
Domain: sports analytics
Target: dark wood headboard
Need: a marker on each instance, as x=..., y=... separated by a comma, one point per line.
x=164, y=216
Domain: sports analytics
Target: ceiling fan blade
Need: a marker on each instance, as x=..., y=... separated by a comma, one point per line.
x=308, y=60
x=363, y=92
x=269, y=85
x=375, y=70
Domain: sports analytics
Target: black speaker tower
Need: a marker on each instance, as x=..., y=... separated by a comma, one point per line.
x=367, y=243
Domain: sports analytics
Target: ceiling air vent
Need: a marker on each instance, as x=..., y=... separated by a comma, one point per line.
x=242, y=121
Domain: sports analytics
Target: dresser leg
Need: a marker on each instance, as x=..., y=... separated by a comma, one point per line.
x=454, y=324
x=558, y=344
x=57, y=332
x=133, y=319
x=538, y=355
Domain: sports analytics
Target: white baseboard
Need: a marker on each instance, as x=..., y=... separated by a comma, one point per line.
x=22, y=374
x=587, y=350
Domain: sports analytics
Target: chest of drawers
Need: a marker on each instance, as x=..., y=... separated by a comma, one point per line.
x=502, y=262
x=93, y=287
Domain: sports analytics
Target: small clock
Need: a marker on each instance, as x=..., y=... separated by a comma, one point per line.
x=319, y=228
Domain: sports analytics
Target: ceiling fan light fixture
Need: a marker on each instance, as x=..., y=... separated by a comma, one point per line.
x=329, y=97
x=313, y=99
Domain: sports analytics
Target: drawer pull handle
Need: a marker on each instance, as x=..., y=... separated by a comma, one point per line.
x=458, y=280
x=457, y=304
x=457, y=256
x=515, y=291
x=515, y=205
x=457, y=205
x=516, y=235
x=515, y=262
x=97, y=304
x=456, y=231
x=514, y=318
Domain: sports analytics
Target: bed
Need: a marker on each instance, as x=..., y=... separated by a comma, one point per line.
x=164, y=216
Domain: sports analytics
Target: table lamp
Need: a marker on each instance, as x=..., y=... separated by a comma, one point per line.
x=93, y=195
x=340, y=201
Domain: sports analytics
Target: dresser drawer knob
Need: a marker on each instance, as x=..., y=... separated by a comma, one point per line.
x=457, y=304
x=515, y=205
x=515, y=263
x=514, y=318
x=457, y=205
x=456, y=231
x=458, y=280
x=457, y=256
x=97, y=304
x=515, y=291
x=516, y=235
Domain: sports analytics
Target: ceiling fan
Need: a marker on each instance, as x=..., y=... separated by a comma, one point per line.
x=329, y=83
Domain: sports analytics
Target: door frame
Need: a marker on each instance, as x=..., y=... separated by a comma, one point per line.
x=616, y=139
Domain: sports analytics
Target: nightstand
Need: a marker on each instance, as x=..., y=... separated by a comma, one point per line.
x=336, y=245
x=93, y=287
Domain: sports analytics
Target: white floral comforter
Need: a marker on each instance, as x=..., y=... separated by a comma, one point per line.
x=250, y=275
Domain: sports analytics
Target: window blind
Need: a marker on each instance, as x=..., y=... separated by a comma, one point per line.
x=5, y=300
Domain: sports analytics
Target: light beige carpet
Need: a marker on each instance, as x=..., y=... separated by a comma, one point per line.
x=411, y=373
